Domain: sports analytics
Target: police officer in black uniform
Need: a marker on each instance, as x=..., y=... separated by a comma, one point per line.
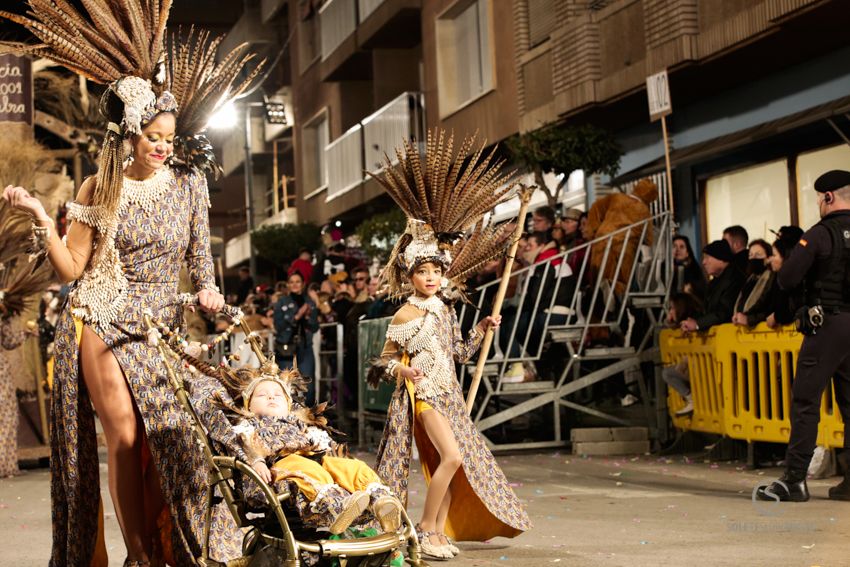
x=821, y=264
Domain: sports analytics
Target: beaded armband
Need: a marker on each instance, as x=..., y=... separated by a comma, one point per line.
x=392, y=365
x=40, y=241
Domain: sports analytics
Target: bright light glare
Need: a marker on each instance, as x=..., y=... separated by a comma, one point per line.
x=225, y=118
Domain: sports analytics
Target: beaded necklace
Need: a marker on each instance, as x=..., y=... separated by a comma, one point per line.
x=146, y=192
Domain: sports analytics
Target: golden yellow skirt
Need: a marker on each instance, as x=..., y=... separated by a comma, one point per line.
x=468, y=518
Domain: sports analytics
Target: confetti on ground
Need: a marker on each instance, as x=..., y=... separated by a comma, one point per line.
x=808, y=546
x=644, y=543
x=515, y=484
x=615, y=473
x=618, y=483
x=503, y=558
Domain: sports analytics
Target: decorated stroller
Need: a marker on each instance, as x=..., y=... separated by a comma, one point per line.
x=273, y=531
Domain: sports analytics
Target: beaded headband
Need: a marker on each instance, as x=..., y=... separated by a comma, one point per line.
x=248, y=393
x=164, y=103
x=424, y=247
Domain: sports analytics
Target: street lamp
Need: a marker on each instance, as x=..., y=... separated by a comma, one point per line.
x=275, y=112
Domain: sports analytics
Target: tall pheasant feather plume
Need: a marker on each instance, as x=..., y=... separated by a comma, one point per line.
x=449, y=192
x=200, y=85
x=444, y=189
x=485, y=243
x=107, y=40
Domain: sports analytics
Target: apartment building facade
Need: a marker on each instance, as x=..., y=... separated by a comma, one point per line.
x=759, y=91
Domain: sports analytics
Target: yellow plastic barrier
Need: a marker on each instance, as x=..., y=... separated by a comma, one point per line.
x=705, y=374
x=753, y=371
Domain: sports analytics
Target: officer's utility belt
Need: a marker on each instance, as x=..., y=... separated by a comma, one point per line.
x=809, y=319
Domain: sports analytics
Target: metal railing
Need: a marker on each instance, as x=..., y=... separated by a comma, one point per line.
x=594, y=302
x=402, y=118
x=363, y=146
x=329, y=362
x=344, y=157
x=338, y=20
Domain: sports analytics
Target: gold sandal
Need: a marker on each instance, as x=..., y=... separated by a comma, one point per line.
x=387, y=510
x=351, y=510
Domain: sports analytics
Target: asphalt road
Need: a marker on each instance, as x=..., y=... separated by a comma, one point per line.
x=617, y=511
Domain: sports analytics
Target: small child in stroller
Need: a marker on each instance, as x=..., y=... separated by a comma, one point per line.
x=334, y=490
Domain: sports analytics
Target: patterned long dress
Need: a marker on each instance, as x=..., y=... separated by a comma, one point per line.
x=9, y=340
x=483, y=505
x=153, y=236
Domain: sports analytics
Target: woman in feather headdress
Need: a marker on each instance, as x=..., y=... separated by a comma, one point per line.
x=133, y=225
x=468, y=496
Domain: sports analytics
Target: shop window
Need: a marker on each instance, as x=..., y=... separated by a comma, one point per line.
x=809, y=167
x=755, y=198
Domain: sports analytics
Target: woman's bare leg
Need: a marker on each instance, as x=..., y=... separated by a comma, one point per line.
x=440, y=433
x=443, y=513
x=121, y=425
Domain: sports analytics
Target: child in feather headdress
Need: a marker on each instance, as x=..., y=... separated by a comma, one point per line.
x=333, y=489
x=445, y=197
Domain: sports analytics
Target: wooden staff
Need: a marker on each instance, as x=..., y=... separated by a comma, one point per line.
x=524, y=198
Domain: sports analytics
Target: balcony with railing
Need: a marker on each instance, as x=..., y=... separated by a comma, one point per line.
x=389, y=23
x=364, y=145
x=342, y=59
x=402, y=118
x=344, y=159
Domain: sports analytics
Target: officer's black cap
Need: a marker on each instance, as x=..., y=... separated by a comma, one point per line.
x=832, y=180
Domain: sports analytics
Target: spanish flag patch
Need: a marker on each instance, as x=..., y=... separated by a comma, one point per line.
x=804, y=242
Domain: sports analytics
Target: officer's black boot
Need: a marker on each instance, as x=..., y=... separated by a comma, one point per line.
x=842, y=491
x=791, y=487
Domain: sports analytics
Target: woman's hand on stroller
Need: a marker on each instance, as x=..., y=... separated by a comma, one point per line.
x=261, y=469
x=210, y=300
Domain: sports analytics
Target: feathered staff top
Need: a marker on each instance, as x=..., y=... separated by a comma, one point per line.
x=445, y=195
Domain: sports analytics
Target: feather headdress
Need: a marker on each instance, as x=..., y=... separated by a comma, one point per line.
x=202, y=87
x=445, y=196
x=115, y=42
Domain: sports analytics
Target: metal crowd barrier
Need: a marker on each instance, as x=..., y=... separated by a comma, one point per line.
x=741, y=383
x=636, y=256
x=329, y=357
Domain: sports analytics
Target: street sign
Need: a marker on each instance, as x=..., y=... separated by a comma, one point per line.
x=660, y=105
x=658, y=93
x=16, y=89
